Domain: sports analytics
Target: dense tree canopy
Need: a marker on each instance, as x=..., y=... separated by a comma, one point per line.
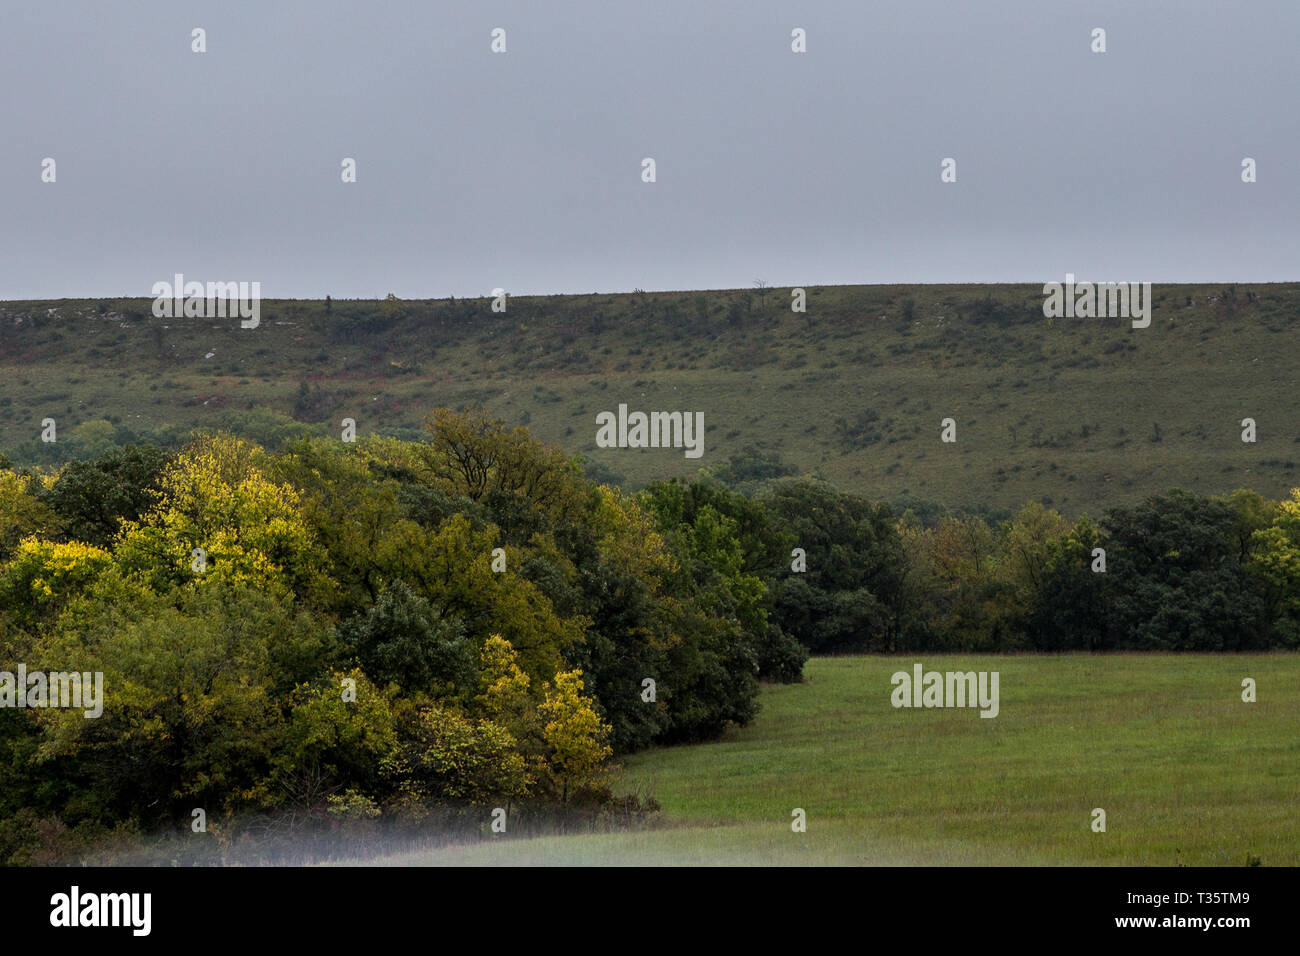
x=391, y=625
x=388, y=623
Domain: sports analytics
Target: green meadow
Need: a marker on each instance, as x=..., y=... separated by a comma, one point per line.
x=1187, y=772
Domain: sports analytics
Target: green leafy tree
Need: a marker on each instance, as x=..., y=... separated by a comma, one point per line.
x=92, y=498
x=1072, y=609
x=445, y=757
x=1179, y=583
x=192, y=681
x=341, y=732
x=405, y=641
x=851, y=596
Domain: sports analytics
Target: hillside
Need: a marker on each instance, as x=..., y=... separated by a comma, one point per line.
x=1082, y=414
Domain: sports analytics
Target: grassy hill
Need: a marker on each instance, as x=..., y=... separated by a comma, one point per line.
x=1186, y=772
x=1079, y=413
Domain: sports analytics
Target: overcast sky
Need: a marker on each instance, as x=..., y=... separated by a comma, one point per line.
x=523, y=170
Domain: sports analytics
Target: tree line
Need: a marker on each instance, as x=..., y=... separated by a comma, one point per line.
x=381, y=628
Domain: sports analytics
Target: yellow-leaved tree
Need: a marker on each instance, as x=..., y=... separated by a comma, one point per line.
x=42, y=576
x=22, y=514
x=574, y=734
x=505, y=697
x=1276, y=560
x=220, y=516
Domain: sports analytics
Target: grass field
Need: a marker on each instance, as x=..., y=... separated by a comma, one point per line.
x=1187, y=773
x=1082, y=414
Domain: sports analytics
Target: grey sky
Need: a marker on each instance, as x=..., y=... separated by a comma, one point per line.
x=522, y=170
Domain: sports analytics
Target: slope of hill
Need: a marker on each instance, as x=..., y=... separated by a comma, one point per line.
x=1079, y=413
